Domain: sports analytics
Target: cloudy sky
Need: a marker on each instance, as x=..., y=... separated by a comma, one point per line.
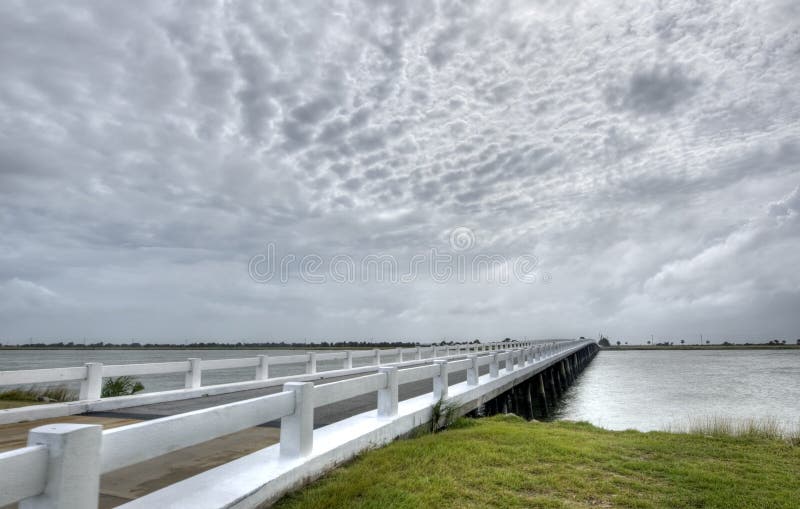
x=638, y=161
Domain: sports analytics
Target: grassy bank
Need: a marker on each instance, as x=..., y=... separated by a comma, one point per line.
x=25, y=396
x=504, y=461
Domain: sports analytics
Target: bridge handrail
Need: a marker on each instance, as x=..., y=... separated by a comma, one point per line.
x=335, y=392
x=24, y=473
x=120, y=447
x=142, y=441
x=416, y=374
x=151, y=368
x=91, y=374
x=47, y=375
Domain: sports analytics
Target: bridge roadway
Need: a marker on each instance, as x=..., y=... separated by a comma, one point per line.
x=323, y=415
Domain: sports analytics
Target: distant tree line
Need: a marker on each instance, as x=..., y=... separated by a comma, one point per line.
x=604, y=341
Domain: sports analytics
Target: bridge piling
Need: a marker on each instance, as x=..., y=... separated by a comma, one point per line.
x=543, y=396
x=537, y=396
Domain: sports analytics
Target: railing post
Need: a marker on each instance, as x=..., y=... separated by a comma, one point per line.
x=297, y=429
x=92, y=385
x=348, y=361
x=73, y=466
x=472, y=370
x=494, y=367
x=418, y=353
x=440, y=383
x=262, y=370
x=377, y=356
x=194, y=375
x=510, y=361
x=311, y=363
x=388, y=396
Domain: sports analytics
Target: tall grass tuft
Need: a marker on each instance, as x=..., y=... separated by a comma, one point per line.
x=55, y=393
x=443, y=414
x=753, y=427
x=120, y=386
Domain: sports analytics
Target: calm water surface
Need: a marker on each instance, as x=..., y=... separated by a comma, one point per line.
x=656, y=390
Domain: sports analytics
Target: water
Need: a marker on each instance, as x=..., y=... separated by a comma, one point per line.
x=665, y=389
x=38, y=359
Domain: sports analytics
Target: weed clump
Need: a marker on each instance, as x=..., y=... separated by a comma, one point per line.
x=120, y=386
x=39, y=394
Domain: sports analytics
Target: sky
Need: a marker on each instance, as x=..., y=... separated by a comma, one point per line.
x=420, y=170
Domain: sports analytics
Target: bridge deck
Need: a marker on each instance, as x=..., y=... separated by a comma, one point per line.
x=137, y=480
x=323, y=415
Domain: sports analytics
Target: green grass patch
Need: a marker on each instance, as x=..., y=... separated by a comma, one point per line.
x=5, y=404
x=503, y=461
x=754, y=427
x=39, y=394
x=120, y=386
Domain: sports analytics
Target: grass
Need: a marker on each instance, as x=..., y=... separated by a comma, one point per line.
x=503, y=461
x=718, y=426
x=120, y=386
x=12, y=398
x=5, y=405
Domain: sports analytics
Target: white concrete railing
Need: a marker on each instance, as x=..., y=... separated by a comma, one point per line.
x=91, y=374
x=62, y=464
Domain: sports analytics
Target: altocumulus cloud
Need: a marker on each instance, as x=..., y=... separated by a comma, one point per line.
x=646, y=153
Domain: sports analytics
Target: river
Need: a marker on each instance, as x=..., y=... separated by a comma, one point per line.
x=666, y=389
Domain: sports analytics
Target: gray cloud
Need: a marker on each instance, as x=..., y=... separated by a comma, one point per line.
x=654, y=90
x=646, y=154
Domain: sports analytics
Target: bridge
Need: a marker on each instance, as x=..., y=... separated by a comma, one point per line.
x=324, y=418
